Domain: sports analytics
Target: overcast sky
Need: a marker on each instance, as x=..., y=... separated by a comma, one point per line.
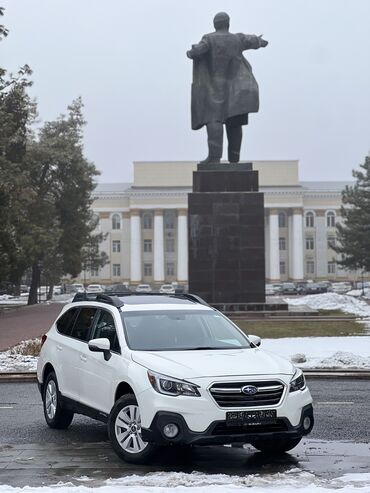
x=127, y=60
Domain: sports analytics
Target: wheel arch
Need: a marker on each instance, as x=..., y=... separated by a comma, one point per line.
x=48, y=368
x=123, y=388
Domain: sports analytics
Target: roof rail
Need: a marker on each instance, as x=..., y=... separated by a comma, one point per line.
x=115, y=297
x=99, y=297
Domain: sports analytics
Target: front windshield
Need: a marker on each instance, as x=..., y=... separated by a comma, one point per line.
x=169, y=330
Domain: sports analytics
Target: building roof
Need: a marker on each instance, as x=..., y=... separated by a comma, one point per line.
x=112, y=187
x=325, y=186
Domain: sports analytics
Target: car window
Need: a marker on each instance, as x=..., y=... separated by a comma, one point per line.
x=105, y=328
x=83, y=323
x=162, y=330
x=65, y=322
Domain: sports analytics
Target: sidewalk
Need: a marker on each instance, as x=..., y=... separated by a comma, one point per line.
x=26, y=323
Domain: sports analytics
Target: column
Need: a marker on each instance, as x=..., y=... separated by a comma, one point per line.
x=158, y=248
x=135, y=246
x=182, y=245
x=274, y=246
x=297, y=245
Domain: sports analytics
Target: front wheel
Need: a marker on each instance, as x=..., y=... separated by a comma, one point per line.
x=124, y=430
x=276, y=446
x=55, y=415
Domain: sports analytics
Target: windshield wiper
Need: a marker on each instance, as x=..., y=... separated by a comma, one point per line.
x=199, y=348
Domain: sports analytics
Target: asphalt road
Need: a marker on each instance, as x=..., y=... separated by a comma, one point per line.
x=341, y=413
x=33, y=454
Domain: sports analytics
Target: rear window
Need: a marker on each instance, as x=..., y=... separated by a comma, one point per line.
x=65, y=322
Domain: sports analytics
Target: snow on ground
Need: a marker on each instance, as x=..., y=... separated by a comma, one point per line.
x=176, y=482
x=333, y=301
x=17, y=362
x=350, y=352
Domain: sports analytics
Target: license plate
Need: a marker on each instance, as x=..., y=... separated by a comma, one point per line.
x=247, y=418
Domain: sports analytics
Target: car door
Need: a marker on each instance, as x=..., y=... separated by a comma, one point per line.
x=98, y=376
x=72, y=352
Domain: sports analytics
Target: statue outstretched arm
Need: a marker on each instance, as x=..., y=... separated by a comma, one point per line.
x=252, y=42
x=198, y=50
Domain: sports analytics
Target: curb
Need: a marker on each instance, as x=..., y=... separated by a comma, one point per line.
x=22, y=377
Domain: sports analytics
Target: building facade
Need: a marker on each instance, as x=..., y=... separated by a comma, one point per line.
x=146, y=224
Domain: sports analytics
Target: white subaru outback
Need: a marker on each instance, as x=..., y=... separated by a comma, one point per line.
x=168, y=369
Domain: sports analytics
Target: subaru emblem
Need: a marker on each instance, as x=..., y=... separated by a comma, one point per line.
x=249, y=390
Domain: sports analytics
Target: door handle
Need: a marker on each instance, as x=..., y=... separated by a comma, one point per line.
x=83, y=358
x=59, y=348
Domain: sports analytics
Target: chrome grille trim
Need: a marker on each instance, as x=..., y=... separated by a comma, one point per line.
x=230, y=395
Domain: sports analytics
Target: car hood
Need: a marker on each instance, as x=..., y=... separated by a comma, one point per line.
x=213, y=363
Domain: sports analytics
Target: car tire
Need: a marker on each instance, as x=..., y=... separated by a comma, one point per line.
x=124, y=431
x=55, y=415
x=276, y=446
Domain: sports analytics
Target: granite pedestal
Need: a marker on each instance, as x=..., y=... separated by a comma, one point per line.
x=226, y=235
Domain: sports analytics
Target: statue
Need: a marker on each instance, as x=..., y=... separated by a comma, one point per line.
x=224, y=90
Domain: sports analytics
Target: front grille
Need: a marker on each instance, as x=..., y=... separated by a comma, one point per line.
x=229, y=394
x=222, y=429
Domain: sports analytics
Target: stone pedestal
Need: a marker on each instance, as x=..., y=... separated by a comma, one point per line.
x=226, y=235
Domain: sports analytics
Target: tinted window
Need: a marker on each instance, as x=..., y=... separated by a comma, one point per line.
x=66, y=321
x=83, y=323
x=105, y=328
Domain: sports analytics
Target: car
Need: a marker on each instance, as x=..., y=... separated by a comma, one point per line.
x=143, y=288
x=168, y=370
x=167, y=289
x=57, y=290
x=288, y=288
x=341, y=287
x=95, y=288
x=117, y=288
x=277, y=288
x=269, y=290
x=314, y=288
x=77, y=288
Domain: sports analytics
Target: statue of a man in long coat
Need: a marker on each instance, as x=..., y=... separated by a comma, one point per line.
x=224, y=90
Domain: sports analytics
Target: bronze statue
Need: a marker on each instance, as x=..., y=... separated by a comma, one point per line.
x=224, y=90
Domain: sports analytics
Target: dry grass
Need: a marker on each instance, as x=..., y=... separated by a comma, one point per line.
x=27, y=348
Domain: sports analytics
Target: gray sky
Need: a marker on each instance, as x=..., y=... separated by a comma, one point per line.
x=127, y=60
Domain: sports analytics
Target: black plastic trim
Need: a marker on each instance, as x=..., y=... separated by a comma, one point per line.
x=79, y=408
x=186, y=436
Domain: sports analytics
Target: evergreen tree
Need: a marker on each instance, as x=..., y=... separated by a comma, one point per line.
x=354, y=232
x=17, y=111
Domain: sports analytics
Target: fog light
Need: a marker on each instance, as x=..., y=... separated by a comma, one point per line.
x=306, y=422
x=171, y=430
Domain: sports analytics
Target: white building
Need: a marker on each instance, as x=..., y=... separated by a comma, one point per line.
x=146, y=224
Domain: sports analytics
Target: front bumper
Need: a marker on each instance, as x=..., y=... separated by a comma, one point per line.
x=218, y=433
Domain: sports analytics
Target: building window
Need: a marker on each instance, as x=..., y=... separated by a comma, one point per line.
x=148, y=270
x=116, y=270
x=331, y=267
x=148, y=220
x=116, y=221
x=310, y=244
x=169, y=220
x=282, y=268
x=282, y=243
x=310, y=267
x=116, y=246
x=310, y=220
x=147, y=246
x=331, y=241
x=94, y=272
x=170, y=244
x=282, y=220
x=330, y=219
x=170, y=269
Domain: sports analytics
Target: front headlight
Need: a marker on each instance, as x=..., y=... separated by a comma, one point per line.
x=172, y=386
x=298, y=381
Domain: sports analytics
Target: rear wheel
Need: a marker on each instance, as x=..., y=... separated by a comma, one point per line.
x=124, y=429
x=55, y=415
x=276, y=446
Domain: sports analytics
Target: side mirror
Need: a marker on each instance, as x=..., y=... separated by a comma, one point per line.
x=255, y=340
x=101, y=345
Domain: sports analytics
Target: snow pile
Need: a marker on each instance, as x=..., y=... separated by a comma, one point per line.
x=6, y=299
x=12, y=362
x=333, y=301
x=352, y=352
x=177, y=482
